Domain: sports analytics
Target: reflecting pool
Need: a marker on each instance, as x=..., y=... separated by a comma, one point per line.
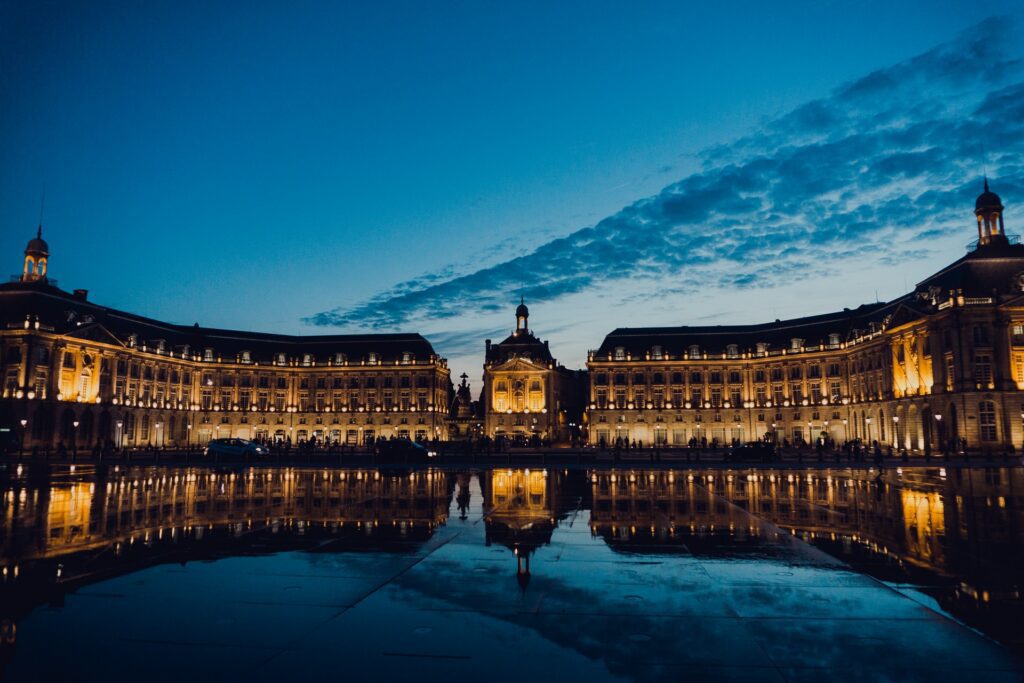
x=164, y=573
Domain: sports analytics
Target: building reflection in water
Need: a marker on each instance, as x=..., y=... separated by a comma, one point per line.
x=958, y=533
x=72, y=527
x=521, y=509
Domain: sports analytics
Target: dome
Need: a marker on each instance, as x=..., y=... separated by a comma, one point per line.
x=37, y=245
x=522, y=310
x=987, y=200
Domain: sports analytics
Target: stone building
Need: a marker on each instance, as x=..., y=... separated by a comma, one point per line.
x=944, y=362
x=77, y=373
x=526, y=392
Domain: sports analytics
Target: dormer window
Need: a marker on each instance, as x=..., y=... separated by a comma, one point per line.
x=133, y=340
x=186, y=351
x=620, y=353
x=282, y=359
x=833, y=340
x=732, y=351
x=762, y=348
x=339, y=359
x=307, y=359
x=406, y=358
x=373, y=357
x=246, y=357
x=160, y=343
x=657, y=353
x=694, y=352
x=208, y=355
x=796, y=344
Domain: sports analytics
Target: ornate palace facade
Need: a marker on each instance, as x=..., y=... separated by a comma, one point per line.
x=941, y=364
x=78, y=374
x=526, y=392
x=944, y=362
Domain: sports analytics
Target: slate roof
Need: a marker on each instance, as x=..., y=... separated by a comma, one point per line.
x=988, y=271
x=67, y=313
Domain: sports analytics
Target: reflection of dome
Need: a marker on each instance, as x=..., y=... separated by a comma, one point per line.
x=37, y=245
x=988, y=200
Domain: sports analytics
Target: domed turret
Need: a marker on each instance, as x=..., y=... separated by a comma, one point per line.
x=37, y=255
x=988, y=200
x=522, y=315
x=989, y=210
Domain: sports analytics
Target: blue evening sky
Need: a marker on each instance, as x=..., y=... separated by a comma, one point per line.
x=320, y=167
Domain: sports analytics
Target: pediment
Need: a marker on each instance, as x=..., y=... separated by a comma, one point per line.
x=519, y=364
x=94, y=332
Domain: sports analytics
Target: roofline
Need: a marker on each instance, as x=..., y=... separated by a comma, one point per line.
x=58, y=294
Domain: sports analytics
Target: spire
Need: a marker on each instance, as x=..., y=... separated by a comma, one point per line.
x=986, y=182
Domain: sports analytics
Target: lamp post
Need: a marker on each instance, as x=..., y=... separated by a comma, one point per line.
x=119, y=434
x=159, y=434
x=74, y=439
x=24, y=430
x=896, y=430
x=867, y=421
x=188, y=438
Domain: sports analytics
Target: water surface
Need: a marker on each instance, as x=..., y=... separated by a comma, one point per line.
x=163, y=573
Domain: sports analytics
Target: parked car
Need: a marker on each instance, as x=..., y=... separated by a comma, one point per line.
x=755, y=451
x=234, y=448
x=404, y=450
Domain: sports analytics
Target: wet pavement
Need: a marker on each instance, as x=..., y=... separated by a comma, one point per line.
x=158, y=573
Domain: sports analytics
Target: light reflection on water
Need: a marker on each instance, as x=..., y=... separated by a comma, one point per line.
x=951, y=541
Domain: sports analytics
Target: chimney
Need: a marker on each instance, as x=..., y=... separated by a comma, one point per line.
x=82, y=294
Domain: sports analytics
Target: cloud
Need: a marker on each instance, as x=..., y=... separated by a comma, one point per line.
x=882, y=165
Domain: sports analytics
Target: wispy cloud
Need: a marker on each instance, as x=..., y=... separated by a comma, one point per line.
x=883, y=165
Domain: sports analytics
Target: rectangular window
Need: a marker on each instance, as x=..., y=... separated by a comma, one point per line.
x=983, y=369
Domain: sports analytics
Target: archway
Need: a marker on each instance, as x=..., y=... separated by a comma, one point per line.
x=927, y=427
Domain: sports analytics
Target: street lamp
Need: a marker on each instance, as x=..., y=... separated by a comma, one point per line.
x=188, y=439
x=21, y=451
x=119, y=423
x=159, y=433
x=896, y=430
x=74, y=439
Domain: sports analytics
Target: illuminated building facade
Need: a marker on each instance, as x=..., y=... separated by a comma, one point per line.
x=526, y=392
x=943, y=363
x=80, y=374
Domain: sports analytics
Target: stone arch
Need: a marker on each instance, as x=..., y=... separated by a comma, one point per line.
x=67, y=426
x=103, y=432
x=928, y=429
x=85, y=435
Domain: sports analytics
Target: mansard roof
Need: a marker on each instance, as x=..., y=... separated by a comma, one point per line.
x=716, y=339
x=988, y=269
x=521, y=345
x=66, y=313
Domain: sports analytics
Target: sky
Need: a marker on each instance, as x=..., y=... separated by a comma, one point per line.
x=316, y=168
